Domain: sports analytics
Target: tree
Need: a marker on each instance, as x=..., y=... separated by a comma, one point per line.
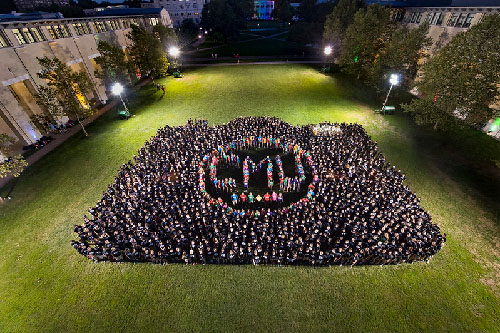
x=226, y=17
x=402, y=54
x=364, y=41
x=66, y=90
x=283, y=11
x=338, y=21
x=460, y=83
x=113, y=65
x=307, y=10
x=147, y=52
x=11, y=164
x=188, y=31
x=166, y=36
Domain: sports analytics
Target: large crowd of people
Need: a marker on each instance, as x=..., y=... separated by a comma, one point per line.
x=356, y=211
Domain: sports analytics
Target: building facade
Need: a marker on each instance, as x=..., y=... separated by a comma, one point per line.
x=180, y=10
x=264, y=9
x=73, y=41
x=22, y=5
x=444, y=24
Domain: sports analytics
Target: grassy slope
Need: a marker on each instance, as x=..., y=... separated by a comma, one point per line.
x=46, y=285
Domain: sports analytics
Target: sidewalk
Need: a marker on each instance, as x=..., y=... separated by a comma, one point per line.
x=254, y=63
x=61, y=138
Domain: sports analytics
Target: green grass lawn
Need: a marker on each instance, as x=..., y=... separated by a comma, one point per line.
x=45, y=285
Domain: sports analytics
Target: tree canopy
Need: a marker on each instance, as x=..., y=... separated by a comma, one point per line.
x=113, y=65
x=66, y=91
x=338, y=21
x=226, y=17
x=365, y=40
x=11, y=164
x=461, y=81
x=147, y=52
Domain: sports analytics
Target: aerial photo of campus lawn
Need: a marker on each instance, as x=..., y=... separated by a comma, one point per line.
x=47, y=285
x=240, y=178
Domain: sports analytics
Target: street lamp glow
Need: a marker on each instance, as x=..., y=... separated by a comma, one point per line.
x=174, y=51
x=394, y=80
x=328, y=50
x=117, y=89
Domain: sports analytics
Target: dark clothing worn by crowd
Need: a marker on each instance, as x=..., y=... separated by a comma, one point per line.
x=357, y=212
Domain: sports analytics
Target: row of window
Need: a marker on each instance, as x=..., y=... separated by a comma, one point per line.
x=456, y=20
x=187, y=14
x=436, y=18
x=28, y=36
x=58, y=31
x=460, y=20
x=34, y=34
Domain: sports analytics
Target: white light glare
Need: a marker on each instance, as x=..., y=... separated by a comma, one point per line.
x=394, y=80
x=117, y=89
x=174, y=50
x=328, y=50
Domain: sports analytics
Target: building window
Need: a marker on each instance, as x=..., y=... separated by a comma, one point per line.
x=468, y=20
x=461, y=20
x=100, y=27
x=19, y=36
x=51, y=32
x=28, y=36
x=78, y=28
x=438, y=19
x=37, y=34
x=419, y=17
x=430, y=17
x=3, y=40
x=452, y=20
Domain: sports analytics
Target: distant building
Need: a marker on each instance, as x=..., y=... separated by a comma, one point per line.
x=180, y=10
x=22, y=5
x=24, y=37
x=264, y=9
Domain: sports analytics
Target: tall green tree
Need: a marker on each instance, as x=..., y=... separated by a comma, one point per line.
x=338, y=21
x=147, y=52
x=283, y=11
x=226, y=17
x=460, y=83
x=166, y=35
x=113, y=65
x=10, y=163
x=66, y=91
x=188, y=31
x=402, y=54
x=365, y=40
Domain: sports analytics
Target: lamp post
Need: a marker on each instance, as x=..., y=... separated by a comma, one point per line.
x=117, y=89
x=174, y=52
x=327, y=52
x=394, y=81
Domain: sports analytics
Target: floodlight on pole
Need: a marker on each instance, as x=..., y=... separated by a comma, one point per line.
x=328, y=50
x=117, y=89
x=174, y=51
x=394, y=81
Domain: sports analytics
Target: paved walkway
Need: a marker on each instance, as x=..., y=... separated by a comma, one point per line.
x=255, y=63
x=61, y=138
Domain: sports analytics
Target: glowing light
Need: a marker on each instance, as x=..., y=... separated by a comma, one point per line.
x=394, y=80
x=117, y=89
x=174, y=51
x=199, y=36
x=328, y=50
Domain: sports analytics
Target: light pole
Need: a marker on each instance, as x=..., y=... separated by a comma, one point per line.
x=394, y=80
x=174, y=52
x=326, y=52
x=117, y=89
